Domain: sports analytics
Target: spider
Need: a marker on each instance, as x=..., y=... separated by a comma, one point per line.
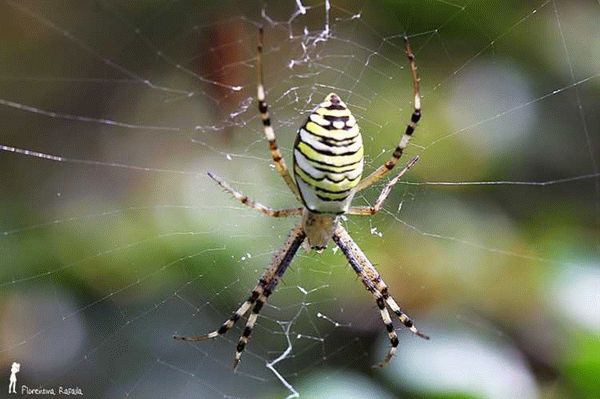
x=328, y=166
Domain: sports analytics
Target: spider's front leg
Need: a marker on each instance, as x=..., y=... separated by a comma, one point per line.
x=266, y=285
x=377, y=287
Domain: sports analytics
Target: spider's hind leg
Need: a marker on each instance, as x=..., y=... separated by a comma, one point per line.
x=408, y=132
x=263, y=109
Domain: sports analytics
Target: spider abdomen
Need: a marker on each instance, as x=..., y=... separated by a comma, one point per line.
x=328, y=157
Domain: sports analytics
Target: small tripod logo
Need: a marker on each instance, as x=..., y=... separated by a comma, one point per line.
x=15, y=368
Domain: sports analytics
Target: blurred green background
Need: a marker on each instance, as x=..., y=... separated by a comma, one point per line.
x=491, y=243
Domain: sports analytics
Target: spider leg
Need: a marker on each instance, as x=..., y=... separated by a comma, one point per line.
x=263, y=108
x=229, y=323
x=243, y=341
x=244, y=199
x=377, y=287
x=410, y=128
x=283, y=259
x=372, y=210
x=259, y=295
x=404, y=318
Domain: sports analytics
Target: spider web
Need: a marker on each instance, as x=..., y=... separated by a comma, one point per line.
x=114, y=239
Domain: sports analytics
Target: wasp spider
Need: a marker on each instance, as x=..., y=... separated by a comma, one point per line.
x=328, y=165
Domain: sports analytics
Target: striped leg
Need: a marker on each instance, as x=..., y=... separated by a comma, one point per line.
x=263, y=108
x=243, y=341
x=244, y=199
x=345, y=243
x=283, y=259
x=242, y=310
x=407, y=321
x=374, y=284
x=263, y=289
x=376, y=279
x=410, y=128
x=372, y=210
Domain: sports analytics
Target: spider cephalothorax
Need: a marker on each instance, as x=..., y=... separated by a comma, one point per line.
x=319, y=228
x=328, y=165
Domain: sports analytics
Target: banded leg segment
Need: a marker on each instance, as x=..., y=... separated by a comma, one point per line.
x=229, y=323
x=245, y=200
x=263, y=108
x=377, y=287
x=243, y=341
x=345, y=246
x=410, y=128
x=283, y=259
x=372, y=210
x=257, y=299
x=404, y=318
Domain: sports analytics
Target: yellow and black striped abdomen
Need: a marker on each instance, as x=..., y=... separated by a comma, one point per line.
x=328, y=157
